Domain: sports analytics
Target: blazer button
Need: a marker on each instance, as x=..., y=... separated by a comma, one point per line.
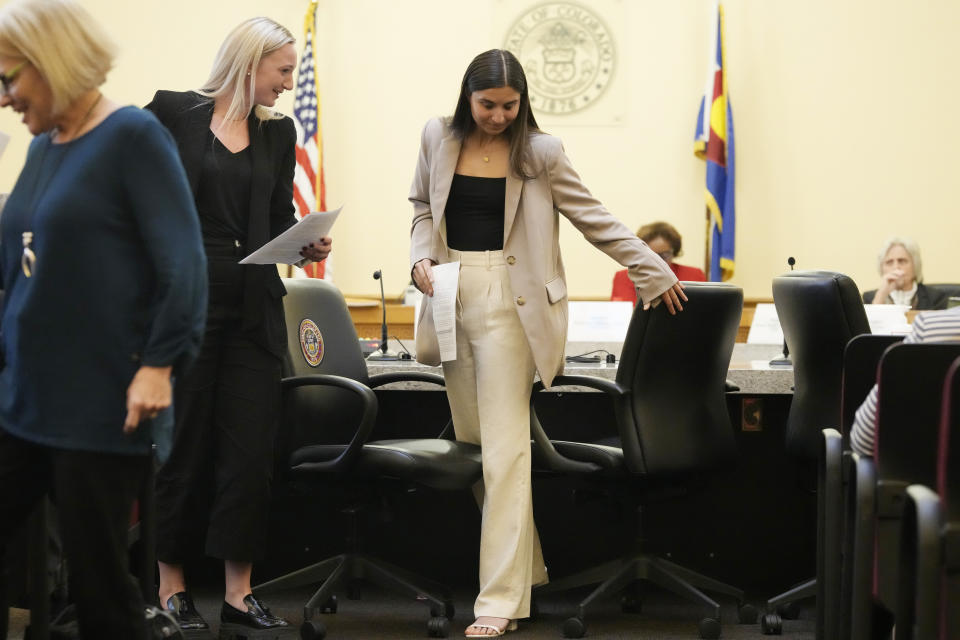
x=521, y=301
x=511, y=260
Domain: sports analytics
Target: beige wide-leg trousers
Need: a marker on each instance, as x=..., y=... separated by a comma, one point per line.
x=488, y=387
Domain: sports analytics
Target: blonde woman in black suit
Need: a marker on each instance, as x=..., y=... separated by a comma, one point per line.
x=239, y=158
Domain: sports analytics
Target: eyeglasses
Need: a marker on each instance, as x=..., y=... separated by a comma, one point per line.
x=666, y=255
x=7, y=78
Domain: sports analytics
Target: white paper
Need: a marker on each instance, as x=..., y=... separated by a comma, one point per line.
x=446, y=280
x=765, y=326
x=285, y=248
x=888, y=318
x=598, y=321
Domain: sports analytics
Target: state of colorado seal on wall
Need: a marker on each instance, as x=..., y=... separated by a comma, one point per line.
x=311, y=342
x=567, y=53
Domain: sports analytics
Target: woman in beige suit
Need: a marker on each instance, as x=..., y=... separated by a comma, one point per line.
x=487, y=190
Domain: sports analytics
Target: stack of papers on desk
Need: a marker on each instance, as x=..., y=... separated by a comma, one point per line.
x=888, y=318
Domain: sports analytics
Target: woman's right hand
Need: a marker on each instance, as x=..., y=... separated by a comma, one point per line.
x=423, y=276
x=888, y=282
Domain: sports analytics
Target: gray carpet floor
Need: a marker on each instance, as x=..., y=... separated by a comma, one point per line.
x=379, y=615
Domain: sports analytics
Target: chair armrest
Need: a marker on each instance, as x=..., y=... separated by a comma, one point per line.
x=862, y=523
x=920, y=561
x=381, y=379
x=547, y=453
x=367, y=398
x=829, y=530
x=609, y=387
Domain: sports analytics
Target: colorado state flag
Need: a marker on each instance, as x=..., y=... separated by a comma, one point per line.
x=714, y=143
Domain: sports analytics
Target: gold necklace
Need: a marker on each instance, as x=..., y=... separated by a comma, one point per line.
x=486, y=154
x=28, y=259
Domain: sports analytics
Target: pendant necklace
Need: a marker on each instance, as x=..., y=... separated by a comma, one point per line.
x=486, y=154
x=29, y=258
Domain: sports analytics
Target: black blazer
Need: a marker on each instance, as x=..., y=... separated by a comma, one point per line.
x=925, y=299
x=272, y=144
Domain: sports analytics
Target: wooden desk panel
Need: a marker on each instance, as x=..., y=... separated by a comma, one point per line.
x=367, y=316
x=367, y=319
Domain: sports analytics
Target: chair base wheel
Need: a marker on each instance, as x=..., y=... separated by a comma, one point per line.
x=709, y=628
x=313, y=630
x=630, y=603
x=771, y=624
x=353, y=590
x=789, y=611
x=330, y=606
x=747, y=613
x=447, y=611
x=438, y=627
x=574, y=628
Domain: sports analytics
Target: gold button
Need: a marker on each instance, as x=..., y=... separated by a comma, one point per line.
x=521, y=301
x=511, y=260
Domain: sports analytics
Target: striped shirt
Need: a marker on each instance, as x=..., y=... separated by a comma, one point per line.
x=931, y=326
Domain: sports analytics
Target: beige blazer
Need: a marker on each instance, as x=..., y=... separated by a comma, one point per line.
x=530, y=238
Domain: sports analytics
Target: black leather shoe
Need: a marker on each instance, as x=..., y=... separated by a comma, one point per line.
x=191, y=622
x=255, y=623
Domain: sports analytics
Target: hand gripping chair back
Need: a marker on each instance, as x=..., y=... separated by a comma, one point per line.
x=819, y=311
x=675, y=366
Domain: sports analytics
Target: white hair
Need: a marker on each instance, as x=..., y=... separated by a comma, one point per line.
x=910, y=246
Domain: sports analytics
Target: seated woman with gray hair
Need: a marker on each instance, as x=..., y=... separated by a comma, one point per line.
x=901, y=278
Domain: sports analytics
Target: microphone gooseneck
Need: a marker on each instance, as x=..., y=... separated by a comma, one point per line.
x=383, y=353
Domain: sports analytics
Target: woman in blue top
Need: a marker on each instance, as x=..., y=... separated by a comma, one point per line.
x=104, y=279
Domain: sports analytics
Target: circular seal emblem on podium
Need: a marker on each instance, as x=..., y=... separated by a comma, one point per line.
x=567, y=53
x=311, y=342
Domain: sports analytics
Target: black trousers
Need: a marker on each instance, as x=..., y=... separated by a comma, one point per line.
x=217, y=478
x=94, y=494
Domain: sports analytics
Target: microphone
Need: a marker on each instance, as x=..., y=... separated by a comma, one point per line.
x=383, y=353
x=785, y=360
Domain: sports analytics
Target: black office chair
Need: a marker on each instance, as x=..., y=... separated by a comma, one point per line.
x=329, y=412
x=672, y=426
x=929, y=584
x=819, y=311
x=910, y=382
x=861, y=358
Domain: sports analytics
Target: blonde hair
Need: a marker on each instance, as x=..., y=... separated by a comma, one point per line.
x=62, y=41
x=240, y=55
x=910, y=246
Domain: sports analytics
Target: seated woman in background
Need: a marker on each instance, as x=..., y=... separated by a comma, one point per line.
x=665, y=241
x=901, y=276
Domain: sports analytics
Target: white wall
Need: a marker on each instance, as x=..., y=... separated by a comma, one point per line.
x=844, y=115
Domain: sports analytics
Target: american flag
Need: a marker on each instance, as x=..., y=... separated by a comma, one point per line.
x=309, y=192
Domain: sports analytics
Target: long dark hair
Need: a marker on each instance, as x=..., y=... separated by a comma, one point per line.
x=491, y=70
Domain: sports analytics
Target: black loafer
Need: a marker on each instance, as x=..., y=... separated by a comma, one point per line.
x=188, y=618
x=256, y=622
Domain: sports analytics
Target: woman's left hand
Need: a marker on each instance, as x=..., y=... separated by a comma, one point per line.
x=149, y=392
x=672, y=297
x=318, y=250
